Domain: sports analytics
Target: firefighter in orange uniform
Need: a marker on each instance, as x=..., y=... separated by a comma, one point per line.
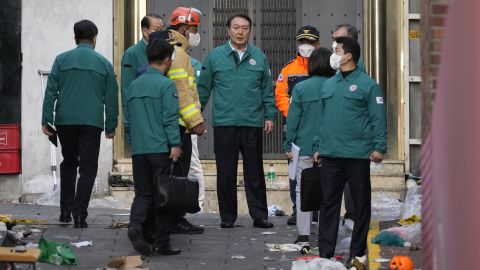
x=292, y=73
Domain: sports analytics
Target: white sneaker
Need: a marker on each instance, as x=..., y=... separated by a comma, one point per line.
x=358, y=263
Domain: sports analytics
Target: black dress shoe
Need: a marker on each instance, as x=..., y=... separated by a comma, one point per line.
x=138, y=242
x=65, y=216
x=80, y=222
x=185, y=227
x=301, y=239
x=165, y=250
x=262, y=223
x=226, y=225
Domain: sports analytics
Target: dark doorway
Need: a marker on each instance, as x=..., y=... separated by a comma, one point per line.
x=10, y=62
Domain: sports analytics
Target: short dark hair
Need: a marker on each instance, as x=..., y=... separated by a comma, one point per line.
x=319, y=63
x=158, y=50
x=145, y=23
x=350, y=45
x=85, y=30
x=239, y=15
x=352, y=31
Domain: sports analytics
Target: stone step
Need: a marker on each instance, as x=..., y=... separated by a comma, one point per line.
x=124, y=166
x=388, y=181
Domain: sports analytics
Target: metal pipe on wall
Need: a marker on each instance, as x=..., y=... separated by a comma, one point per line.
x=135, y=10
x=375, y=40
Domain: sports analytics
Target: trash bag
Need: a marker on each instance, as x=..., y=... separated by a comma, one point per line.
x=56, y=253
x=385, y=208
x=275, y=210
x=413, y=203
x=317, y=264
x=387, y=238
x=411, y=233
x=50, y=198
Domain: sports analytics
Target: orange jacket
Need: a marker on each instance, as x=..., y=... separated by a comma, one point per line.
x=292, y=73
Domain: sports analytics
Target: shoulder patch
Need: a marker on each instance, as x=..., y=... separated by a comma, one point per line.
x=379, y=100
x=175, y=95
x=280, y=78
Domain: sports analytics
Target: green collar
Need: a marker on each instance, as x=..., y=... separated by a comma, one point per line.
x=154, y=71
x=84, y=45
x=352, y=76
x=142, y=44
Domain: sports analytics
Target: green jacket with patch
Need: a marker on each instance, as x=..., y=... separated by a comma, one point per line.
x=354, y=121
x=83, y=84
x=151, y=114
x=242, y=91
x=304, y=115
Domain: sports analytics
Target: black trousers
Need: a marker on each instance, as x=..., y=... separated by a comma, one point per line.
x=80, y=149
x=335, y=173
x=228, y=143
x=183, y=164
x=145, y=167
x=181, y=169
x=349, y=205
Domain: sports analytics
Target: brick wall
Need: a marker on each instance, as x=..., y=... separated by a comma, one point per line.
x=433, y=19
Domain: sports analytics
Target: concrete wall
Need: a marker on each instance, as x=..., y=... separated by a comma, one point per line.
x=47, y=30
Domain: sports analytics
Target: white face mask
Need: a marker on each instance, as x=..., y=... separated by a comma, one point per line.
x=335, y=61
x=305, y=50
x=193, y=39
x=334, y=46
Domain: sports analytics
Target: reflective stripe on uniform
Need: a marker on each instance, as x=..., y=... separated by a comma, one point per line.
x=178, y=73
x=191, y=80
x=188, y=111
x=181, y=122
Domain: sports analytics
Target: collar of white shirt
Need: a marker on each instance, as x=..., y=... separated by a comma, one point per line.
x=240, y=52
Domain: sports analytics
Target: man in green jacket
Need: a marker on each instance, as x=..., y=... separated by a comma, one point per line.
x=134, y=60
x=348, y=30
x=83, y=85
x=353, y=133
x=151, y=125
x=237, y=76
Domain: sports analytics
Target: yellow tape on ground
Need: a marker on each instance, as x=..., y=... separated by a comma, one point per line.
x=373, y=249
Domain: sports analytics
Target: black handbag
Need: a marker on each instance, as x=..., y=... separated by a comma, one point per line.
x=176, y=194
x=311, y=189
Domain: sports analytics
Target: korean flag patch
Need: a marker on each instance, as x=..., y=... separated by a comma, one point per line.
x=379, y=100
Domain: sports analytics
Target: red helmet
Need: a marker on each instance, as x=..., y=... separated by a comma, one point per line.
x=188, y=16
